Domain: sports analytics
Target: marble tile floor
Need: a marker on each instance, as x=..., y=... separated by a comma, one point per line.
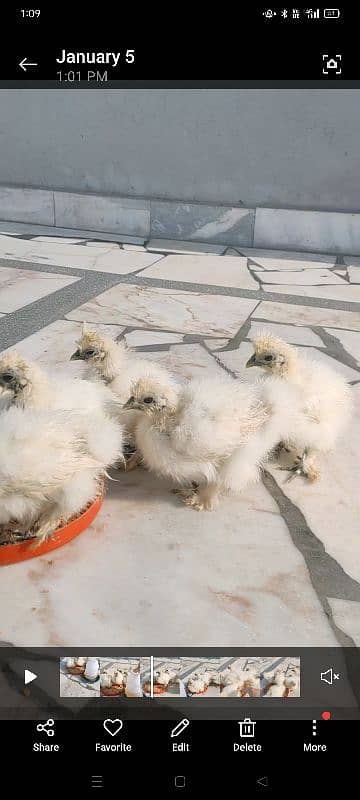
x=277, y=566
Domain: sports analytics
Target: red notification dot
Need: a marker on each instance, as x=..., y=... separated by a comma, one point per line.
x=326, y=715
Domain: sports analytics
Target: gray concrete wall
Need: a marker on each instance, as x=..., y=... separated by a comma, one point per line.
x=240, y=147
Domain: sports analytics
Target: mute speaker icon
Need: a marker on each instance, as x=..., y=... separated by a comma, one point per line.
x=329, y=676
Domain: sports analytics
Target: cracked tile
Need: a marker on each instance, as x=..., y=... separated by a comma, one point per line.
x=186, y=361
x=349, y=340
x=308, y=315
x=174, y=310
x=346, y=614
x=52, y=346
x=140, y=338
x=20, y=287
x=104, y=258
x=295, y=334
x=214, y=344
x=212, y=270
x=309, y=277
x=283, y=260
x=343, y=292
x=13, y=248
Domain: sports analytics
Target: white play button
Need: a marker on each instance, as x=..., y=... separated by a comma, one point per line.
x=29, y=676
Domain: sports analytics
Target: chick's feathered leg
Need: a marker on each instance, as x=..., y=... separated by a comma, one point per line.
x=70, y=500
x=48, y=523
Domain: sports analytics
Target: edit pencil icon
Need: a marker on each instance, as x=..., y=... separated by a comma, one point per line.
x=179, y=728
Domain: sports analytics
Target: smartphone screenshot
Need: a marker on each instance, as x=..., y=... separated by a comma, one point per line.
x=179, y=400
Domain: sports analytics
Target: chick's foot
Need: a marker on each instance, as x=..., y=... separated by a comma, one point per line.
x=304, y=466
x=203, y=500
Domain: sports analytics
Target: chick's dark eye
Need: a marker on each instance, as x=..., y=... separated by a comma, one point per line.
x=89, y=353
x=7, y=377
x=268, y=358
x=148, y=400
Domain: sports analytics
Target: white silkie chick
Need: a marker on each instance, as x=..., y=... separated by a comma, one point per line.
x=241, y=684
x=231, y=689
x=324, y=397
x=25, y=385
x=292, y=683
x=173, y=675
x=50, y=469
x=119, y=679
x=118, y=368
x=197, y=684
x=92, y=408
x=277, y=687
x=214, y=677
x=162, y=677
x=213, y=432
x=228, y=676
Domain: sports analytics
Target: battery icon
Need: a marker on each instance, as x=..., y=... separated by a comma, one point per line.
x=331, y=13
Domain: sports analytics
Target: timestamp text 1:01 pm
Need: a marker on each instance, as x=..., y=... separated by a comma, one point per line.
x=88, y=75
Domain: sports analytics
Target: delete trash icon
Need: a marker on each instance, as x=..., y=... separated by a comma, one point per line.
x=247, y=728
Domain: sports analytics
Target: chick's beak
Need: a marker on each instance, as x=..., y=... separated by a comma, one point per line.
x=130, y=403
x=77, y=356
x=252, y=361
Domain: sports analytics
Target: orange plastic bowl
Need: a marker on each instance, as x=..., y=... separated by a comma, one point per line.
x=12, y=553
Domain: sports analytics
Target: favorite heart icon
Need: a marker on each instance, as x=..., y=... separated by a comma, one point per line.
x=113, y=726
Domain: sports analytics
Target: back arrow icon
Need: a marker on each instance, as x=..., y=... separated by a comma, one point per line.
x=24, y=63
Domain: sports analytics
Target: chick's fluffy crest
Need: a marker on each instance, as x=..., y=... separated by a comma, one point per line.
x=147, y=385
x=265, y=342
x=93, y=339
x=14, y=362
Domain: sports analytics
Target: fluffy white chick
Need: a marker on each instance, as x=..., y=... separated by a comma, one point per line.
x=197, y=683
x=25, y=385
x=49, y=468
x=92, y=407
x=277, y=687
x=323, y=395
x=240, y=683
x=114, y=364
x=162, y=677
x=214, y=677
x=212, y=432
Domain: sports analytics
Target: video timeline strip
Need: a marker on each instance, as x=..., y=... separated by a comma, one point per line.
x=185, y=677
